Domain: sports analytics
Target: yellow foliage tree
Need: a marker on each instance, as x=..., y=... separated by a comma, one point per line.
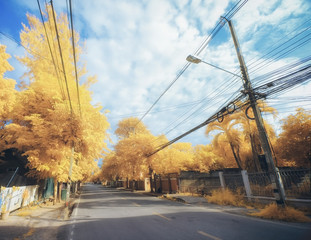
x=174, y=158
x=110, y=168
x=132, y=155
x=222, y=149
x=7, y=97
x=206, y=159
x=232, y=135
x=293, y=146
x=129, y=126
x=130, y=160
x=47, y=122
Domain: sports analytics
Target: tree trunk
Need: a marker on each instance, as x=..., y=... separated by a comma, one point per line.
x=235, y=156
x=160, y=188
x=76, y=187
x=60, y=186
x=155, y=182
x=55, y=191
x=169, y=183
x=133, y=185
x=150, y=173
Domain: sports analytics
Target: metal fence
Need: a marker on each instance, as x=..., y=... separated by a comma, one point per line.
x=260, y=184
x=296, y=183
x=234, y=182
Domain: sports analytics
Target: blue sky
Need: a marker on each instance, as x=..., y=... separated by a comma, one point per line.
x=137, y=47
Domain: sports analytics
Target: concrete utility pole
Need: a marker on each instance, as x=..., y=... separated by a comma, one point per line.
x=277, y=184
x=69, y=176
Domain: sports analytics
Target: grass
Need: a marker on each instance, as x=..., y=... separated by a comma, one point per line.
x=286, y=213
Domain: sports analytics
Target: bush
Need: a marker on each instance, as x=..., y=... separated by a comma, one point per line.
x=286, y=213
x=226, y=197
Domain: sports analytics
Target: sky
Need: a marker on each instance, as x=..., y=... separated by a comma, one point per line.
x=137, y=48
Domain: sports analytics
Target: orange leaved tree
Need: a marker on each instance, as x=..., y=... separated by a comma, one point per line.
x=294, y=143
x=232, y=135
x=7, y=98
x=54, y=121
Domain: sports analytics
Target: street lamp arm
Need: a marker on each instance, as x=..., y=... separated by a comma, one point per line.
x=196, y=60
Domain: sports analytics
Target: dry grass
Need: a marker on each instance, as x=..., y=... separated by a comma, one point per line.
x=287, y=213
x=226, y=197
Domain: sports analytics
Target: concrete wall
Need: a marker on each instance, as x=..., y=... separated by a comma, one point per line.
x=16, y=197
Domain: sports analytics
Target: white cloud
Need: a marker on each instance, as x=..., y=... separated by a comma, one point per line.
x=136, y=48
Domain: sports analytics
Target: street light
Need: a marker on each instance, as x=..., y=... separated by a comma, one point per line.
x=196, y=60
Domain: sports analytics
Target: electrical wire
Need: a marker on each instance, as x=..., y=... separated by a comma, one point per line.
x=203, y=45
x=295, y=77
x=61, y=56
x=74, y=56
x=280, y=54
x=50, y=49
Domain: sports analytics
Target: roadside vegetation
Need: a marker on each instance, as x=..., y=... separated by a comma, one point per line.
x=271, y=211
x=287, y=213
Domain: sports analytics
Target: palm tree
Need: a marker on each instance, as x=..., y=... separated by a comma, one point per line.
x=226, y=127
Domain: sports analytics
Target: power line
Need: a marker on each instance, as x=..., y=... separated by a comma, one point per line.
x=296, y=77
x=280, y=54
x=215, y=30
x=20, y=44
x=61, y=56
x=74, y=56
x=50, y=49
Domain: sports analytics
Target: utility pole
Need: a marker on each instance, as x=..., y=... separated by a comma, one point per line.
x=69, y=176
x=277, y=184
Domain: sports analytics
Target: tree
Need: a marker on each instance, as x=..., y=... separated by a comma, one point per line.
x=294, y=143
x=174, y=158
x=46, y=122
x=129, y=126
x=110, y=167
x=226, y=128
x=7, y=97
x=206, y=159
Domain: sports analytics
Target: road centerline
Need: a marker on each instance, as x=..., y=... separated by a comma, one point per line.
x=162, y=216
x=209, y=235
x=136, y=204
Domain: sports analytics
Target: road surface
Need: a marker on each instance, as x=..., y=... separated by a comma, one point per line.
x=105, y=213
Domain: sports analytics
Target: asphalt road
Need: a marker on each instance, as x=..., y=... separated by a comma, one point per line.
x=104, y=213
